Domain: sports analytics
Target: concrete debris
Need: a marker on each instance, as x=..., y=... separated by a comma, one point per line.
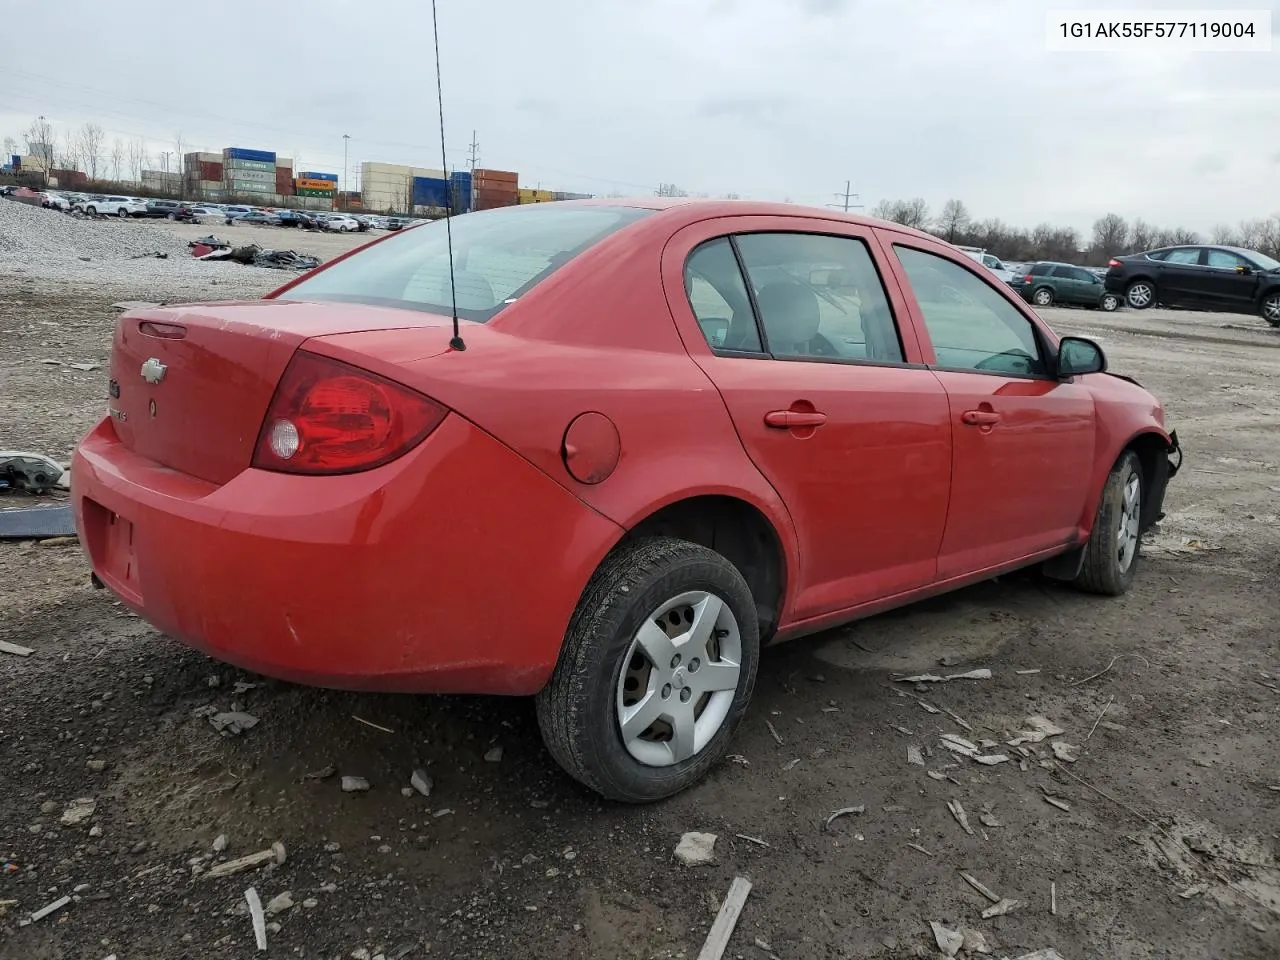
x=259, y=921
x=935, y=775
x=422, y=782
x=790, y=764
x=1060, y=804
x=494, y=755
x=15, y=649
x=243, y=686
x=233, y=722
x=696, y=849
x=274, y=854
x=983, y=674
x=914, y=756
x=1194, y=891
x=220, y=843
x=843, y=812
x=722, y=928
x=999, y=909
x=280, y=903
x=1066, y=752
x=324, y=773
x=1027, y=673
x=78, y=811
x=354, y=784
x=948, y=941
x=974, y=942
x=979, y=886
x=958, y=744
x=989, y=820
x=962, y=818
x=991, y=759
x=1038, y=729
x=49, y=908
x=96, y=766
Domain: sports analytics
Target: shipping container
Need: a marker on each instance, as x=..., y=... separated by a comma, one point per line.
x=250, y=176
x=248, y=186
x=460, y=196
x=258, y=165
x=430, y=192
x=312, y=192
x=240, y=153
x=331, y=177
x=285, y=188
x=308, y=183
x=211, y=170
x=497, y=176
x=285, y=162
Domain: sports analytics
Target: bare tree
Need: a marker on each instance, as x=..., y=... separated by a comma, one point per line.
x=670, y=190
x=39, y=137
x=90, y=148
x=69, y=158
x=10, y=147
x=137, y=158
x=1142, y=236
x=1110, y=234
x=953, y=220
x=909, y=213
x=180, y=165
x=117, y=158
x=1181, y=235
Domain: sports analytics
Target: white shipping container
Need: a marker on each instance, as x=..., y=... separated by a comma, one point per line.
x=250, y=176
x=259, y=165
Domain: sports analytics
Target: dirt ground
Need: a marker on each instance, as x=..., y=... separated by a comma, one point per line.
x=1161, y=842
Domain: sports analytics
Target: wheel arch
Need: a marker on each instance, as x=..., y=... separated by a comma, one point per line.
x=739, y=530
x=1150, y=444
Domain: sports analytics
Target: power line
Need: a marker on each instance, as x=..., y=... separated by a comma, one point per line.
x=845, y=198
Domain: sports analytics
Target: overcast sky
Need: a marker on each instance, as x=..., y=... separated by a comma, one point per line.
x=770, y=99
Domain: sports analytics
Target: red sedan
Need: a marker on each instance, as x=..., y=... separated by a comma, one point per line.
x=670, y=433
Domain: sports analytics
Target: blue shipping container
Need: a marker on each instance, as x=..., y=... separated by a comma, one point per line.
x=240, y=153
x=460, y=191
x=331, y=177
x=430, y=192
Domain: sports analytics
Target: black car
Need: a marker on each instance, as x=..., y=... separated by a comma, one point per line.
x=168, y=209
x=296, y=218
x=1047, y=282
x=1202, y=277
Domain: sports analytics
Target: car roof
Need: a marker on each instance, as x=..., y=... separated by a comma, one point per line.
x=691, y=210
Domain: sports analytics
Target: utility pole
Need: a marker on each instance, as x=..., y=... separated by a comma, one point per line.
x=845, y=198
x=165, y=154
x=473, y=153
x=346, y=140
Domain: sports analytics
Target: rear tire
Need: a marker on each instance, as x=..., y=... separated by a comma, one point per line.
x=1043, y=297
x=122, y=213
x=91, y=211
x=1270, y=308
x=1108, y=303
x=1115, y=544
x=635, y=596
x=1140, y=294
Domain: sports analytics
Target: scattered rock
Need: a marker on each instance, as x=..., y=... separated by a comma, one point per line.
x=695, y=849
x=310, y=903
x=843, y=812
x=97, y=766
x=999, y=909
x=324, y=773
x=233, y=723
x=1068, y=753
x=220, y=843
x=95, y=831
x=354, y=784
x=280, y=903
x=422, y=782
x=974, y=942
x=79, y=811
x=915, y=756
x=494, y=755
x=948, y=941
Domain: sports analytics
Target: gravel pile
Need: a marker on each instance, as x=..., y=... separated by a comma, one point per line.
x=48, y=249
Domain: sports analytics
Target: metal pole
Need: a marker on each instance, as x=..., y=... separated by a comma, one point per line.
x=346, y=139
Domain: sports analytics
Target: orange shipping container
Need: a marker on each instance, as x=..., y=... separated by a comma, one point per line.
x=304, y=184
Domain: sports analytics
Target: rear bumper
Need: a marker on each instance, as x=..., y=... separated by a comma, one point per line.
x=453, y=569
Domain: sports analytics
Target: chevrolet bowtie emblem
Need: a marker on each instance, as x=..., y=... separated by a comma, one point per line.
x=153, y=371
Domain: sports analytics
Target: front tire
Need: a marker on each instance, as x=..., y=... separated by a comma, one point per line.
x=1140, y=294
x=1042, y=297
x=1109, y=302
x=656, y=672
x=1270, y=308
x=1112, y=553
x=122, y=213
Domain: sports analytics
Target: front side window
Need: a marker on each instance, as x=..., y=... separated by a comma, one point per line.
x=498, y=256
x=1225, y=258
x=1079, y=273
x=819, y=296
x=971, y=325
x=1183, y=255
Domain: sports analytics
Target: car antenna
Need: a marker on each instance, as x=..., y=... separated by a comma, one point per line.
x=456, y=343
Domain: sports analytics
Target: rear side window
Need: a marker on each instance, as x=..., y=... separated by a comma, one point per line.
x=1184, y=255
x=819, y=296
x=498, y=256
x=972, y=326
x=719, y=298
x=1040, y=270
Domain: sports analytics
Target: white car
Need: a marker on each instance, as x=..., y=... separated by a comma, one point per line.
x=990, y=261
x=55, y=201
x=207, y=215
x=114, y=207
x=341, y=224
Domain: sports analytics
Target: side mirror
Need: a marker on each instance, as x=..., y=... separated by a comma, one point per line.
x=1077, y=356
x=1242, y=269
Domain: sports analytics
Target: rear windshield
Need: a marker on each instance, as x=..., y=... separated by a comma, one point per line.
x=498, y=256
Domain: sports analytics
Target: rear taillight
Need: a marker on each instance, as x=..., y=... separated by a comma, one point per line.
x=1113, y=262
x=330, y=417
x=1027, y=279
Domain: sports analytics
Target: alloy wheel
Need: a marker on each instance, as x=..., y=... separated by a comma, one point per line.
x=1271, y=309
x=1130, y=523
x=1140, y=295
x=1043, y=298
x=677, y=681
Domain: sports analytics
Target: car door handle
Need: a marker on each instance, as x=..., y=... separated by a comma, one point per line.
x=791, y=419
x=980, y=418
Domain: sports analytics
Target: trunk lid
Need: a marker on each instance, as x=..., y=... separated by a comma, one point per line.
x=190, y=384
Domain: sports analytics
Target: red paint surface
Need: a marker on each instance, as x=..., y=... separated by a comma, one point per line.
x=458, y=565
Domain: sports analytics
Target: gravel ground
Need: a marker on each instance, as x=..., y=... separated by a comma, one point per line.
x=1161, y=843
